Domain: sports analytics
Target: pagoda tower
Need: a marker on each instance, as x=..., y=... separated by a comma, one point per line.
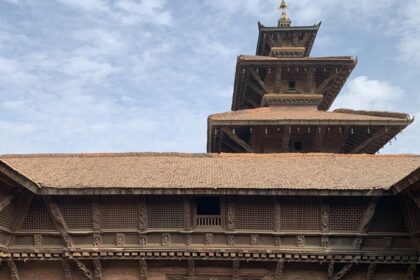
x=282, y=96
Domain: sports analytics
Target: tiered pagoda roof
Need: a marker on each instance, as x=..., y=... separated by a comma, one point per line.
x=282, y=96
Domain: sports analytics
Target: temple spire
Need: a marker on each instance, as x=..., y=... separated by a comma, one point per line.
x=284, y=20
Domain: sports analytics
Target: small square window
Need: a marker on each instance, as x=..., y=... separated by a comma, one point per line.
x=208, y=205
x=298, y=146
x=292, y=85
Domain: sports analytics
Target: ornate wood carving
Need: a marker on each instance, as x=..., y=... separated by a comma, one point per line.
x=143, y=269
x=371, y=271
x=187, y=214
x=388, y=243
x=59, y=221
x=279, y=270
x=142, y=214
x=83, y=268
x=209, y=238
x=97, y=240
x=142, y=240
x=97, y=269
x=120, y=240
x=411, y=272
x=6, y=201
x=188, y=240
x=319, y=139
x=277, y=215
x=96, y=215
x=330, y=272
x=231, y=240
x=166, y=239
x=67, y=270
x=326, y=84
x=236, y=269
x=325, y=242
x=37, y=240
x=231, y=214
x=340, y=275
x=14, y=273
x=357, y=243
x=300, y=240
x=277, y=241
x=191, y=268
x=325, y=216
x=254, y=239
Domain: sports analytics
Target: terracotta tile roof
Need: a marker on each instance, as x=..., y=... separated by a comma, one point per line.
x=280, y=114
x=213, y=171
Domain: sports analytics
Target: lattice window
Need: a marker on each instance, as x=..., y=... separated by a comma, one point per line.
x=300, y=213
x=165, y=212
x=119, y=212
x=388, y=217
x=8, y=215
x=77, y=211
x=254, y=213
x=346, y=214
x=38, y=216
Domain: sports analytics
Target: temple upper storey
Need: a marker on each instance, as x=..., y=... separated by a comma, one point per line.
x=285, y=40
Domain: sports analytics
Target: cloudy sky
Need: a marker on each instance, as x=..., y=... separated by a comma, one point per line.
x=143, y=75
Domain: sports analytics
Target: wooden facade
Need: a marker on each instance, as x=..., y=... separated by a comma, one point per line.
x=319, y=206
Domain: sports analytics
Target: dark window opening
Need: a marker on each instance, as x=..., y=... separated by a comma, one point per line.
x=298, y=146
x=292, y=85
x=208, y=206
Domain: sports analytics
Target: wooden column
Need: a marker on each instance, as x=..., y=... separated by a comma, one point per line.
x=230, y=214
x=67, y=270
x=143, y=269
x=14, y=273
x=143, y=215
x=187, y=214
x=371, y=271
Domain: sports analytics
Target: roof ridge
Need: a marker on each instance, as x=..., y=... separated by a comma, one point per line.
x=209, y=155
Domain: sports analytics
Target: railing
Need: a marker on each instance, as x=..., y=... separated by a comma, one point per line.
x=208, y=221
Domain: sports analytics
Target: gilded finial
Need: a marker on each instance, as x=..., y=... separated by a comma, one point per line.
x=284, y=20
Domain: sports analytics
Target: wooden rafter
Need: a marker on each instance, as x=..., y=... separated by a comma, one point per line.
x=14, y=273
x=258, y=79
x=83, y=268
x=377, y=135
x=237, y=140
x=325, y=84
x=59, y=221
x=97, y=268
x=143, y=269
x=409, y=219
x=255, y=88
x=342, y=273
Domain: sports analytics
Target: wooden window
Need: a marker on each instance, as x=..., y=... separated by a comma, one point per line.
x=8, y=215
x=165, y=212
x=346, y=213
x=292, y=85
x=119, y=212
x=38, y=216
x=255, y=213
x=300, y=213
x=77, y=211
x=388, y=217
x=208, y=212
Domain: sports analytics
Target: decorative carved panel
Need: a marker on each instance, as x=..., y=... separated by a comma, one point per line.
x=120, y=240
x=166, y=239
x=119, y=212
x=254, y=213
x=300, y=213
x=165, y=212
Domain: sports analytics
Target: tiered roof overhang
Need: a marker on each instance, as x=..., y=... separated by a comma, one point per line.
x=330, y=74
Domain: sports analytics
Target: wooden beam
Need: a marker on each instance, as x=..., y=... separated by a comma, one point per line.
x=371, y=271
x=59, y=221
x=67, y=270
x=14, y=273
x=236, y=269
x=143, y=269
x=6, y=201
x=369, y=141
x=83, y=268
x=258, y=79
x=237, y=140
x=279, y=270
x=325, y=84
x=97, y=268
x=255, y=88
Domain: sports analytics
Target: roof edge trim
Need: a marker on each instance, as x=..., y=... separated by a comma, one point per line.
x=19, y=178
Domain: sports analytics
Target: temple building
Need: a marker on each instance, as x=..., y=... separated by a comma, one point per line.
x=288, y=190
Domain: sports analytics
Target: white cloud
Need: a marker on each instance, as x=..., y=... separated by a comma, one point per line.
x=364, y=93
x=88, y=5
x=12, y=1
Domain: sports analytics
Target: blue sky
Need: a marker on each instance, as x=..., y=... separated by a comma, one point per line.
x=143, y=75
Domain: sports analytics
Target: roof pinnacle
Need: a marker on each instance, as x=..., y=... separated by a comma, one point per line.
x=284, y=20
